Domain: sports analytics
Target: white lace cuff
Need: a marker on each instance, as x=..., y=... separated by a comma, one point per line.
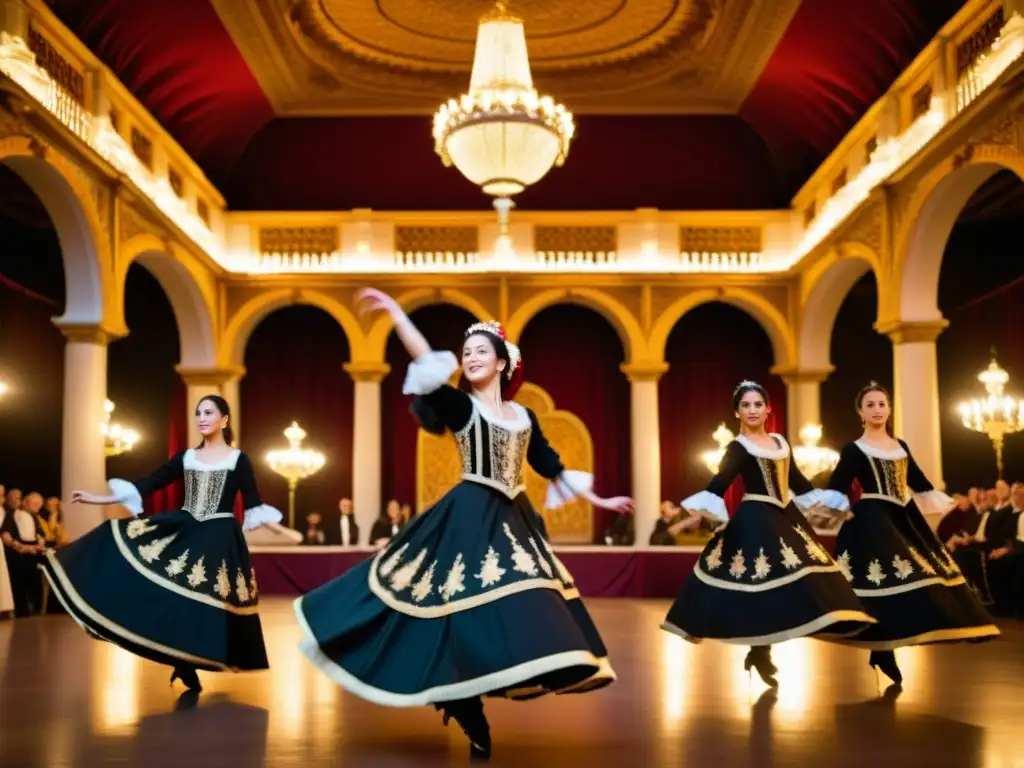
x=567, y=486
x=832, y=500
x=261, y=515
x=933, y=505
x=706, y=504
x=429, y=372
x=127, y=495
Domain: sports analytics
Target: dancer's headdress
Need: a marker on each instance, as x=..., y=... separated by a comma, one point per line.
x=515, y=357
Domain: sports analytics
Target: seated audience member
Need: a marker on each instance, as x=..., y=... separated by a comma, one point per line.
x=315, y=535
x=347, y=524
x=971, y=549
x=1006, y=562
x=669, y=525
x=387, y=525
x=406, y=513
x=51, y=523
x=22, y=549
x=622, y=532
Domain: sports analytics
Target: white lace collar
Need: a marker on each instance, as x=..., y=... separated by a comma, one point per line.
x=756, y=450
x=519, y=423
x=877, y=453
x=189, y=461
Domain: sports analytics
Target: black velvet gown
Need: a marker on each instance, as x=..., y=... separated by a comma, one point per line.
x=175, y=587
x=896, y=564
x=765, y=577
x=468, y=599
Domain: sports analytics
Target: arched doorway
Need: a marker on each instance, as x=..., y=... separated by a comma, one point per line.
x=575, y=353
x=293, y=361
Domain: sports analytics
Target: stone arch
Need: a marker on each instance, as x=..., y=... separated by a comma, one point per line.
x=84, y=240
x=823, y=295
x=193, y=307
x=249, y=315
x=622, y=320
x=927, y=223
x=771, y=319
x=410, y=301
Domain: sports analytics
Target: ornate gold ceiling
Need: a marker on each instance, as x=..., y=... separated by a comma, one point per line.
x=337, y=57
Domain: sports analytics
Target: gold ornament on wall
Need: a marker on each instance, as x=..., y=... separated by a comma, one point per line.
x=439, y=467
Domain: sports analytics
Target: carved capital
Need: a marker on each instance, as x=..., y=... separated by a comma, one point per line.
x=210, y=377
x=644, y=370
x=367, y=371
x=793, y=375
x=912, y=332
x=87, y=333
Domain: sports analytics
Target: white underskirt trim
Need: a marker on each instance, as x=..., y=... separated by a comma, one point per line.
x=478, y=686
x=510, y=493
x=127, y=495
x=899, y=589
x=706, y=504
x=963, y=634
x=569, y=485
x=810, y=628
x=767, y=586
x=429, y=372
x=264, y=514
x=765, y=499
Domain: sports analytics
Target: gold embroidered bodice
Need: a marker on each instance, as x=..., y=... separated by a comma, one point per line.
x=204, y=489
x=889, y=478
x=493, y=452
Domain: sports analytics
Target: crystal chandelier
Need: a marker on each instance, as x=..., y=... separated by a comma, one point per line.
x=295, y=463
x=813, y=459
x=502, y=135
x=713, y=459
x=116, y=438
x=996, y=415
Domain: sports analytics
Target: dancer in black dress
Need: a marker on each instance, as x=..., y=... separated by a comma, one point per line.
x=764, y=577
x=898, y=567
x=468, y=600
x=176, y=587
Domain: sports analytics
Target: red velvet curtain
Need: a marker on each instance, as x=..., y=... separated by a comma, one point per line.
x=294, y=371
x=32, y=365
x=710, y=351
x=173, y=496
x=575, y=354
x=444, y=326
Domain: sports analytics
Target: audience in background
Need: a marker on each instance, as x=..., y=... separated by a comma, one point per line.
x=347, y=524
x=315, y=535
x=387, y=525
x=669, y=525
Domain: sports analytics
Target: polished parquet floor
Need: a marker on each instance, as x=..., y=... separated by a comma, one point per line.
x=66, y=700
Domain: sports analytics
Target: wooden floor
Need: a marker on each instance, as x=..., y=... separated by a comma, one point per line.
x=66, y=700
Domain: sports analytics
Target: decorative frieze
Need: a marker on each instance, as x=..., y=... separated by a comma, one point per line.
x=970, y=50
x=59, y=68
x=720, y=240
x=446, y=243
x=302, y=241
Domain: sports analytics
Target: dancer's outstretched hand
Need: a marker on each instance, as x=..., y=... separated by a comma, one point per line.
x=621, y=504
x=371, y=300
x=84, y=497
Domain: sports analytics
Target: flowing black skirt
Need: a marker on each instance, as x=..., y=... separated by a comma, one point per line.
x=169, y=588
x=467, y=600
x=763, y=579
x=907, y=580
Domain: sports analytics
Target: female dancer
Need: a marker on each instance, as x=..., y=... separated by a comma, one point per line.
x=896, y=564
x=468, y=600
x=177, y=587
x=764, y=577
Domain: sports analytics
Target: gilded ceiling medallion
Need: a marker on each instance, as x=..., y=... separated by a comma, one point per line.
x=439, y=35
x=380, y=57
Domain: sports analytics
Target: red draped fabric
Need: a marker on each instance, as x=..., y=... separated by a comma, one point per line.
x=294, y=371
x=982, y=313
x=32, y=365
x=709, y=352
x=173, y=496
x=444, y=326
x=574, y=354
